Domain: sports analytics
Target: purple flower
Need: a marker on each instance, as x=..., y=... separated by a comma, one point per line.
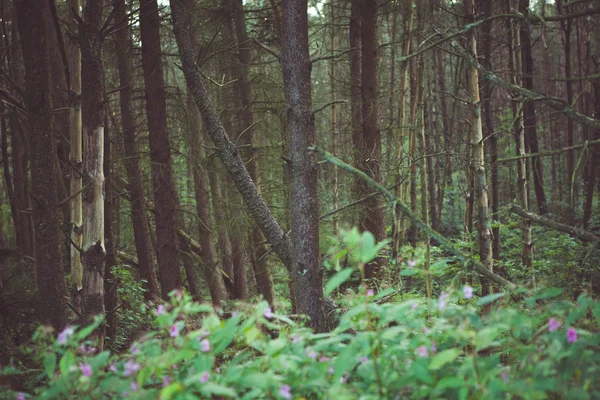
x=323, y=359
x=433, y=347
x=295, y=339
x=330, y=371
x=134, y=350
x=443, y=301
x=268, y=313
x=65, y=334
x=426, y=329
x=312, y=354
x=21, y=396
x=370, y=293
x=411, y=263
x=86, y=369
x=468, y=292
x=87, y=349
x=166, y=381
x=414, y=306
x=553, y=325
x=174, y=332
x=364, y=360
x=131, y=367
x=203, y=333
x=572, y=335
x=113, y=367
x=344, y=378
x=234, y=314
x=504, y=377
x=134, y=386
x=205, y=345
x=160, y=310
x=422, y=351
x=204, y=377
x=284, y=391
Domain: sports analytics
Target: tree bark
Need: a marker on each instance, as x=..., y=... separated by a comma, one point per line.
x=76, y=160
x=92, y=110
x=49, y=269
x=478, y=160
x=304, y=202
x=246, y=117
x=529, y=114
x=165, y=195
x=132, y=165
x=373, y=216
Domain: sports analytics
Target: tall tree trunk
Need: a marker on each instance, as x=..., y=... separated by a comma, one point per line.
x=38, y=101
x=304, y=202
x=165, y=195
x=92, y=110
x=132, y=165
x=514, y=64
x=529, y=110
x=246, y=118
x=373, y=216
x=356, y=123
x=76, y=160
x=110, y=282
x=478, y=160
x=492, y=142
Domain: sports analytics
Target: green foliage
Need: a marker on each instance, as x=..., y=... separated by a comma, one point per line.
x=539, y=348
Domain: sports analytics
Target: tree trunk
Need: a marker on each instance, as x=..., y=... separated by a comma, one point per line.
x=38, y=101
x=246, y=118
x=165, y=195
x=132, y=165
x=373, y=215
x=478, y=160
x=110, y=282
x=487, y=92
x=529, y=109
x=92, y=110
x=76, y=160
x=355, y=89
x=304, y=202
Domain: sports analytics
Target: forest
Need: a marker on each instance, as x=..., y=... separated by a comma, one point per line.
x=300, y=199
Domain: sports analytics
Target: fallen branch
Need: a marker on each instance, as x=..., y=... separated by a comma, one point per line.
x=401, y=207
x=545, y=221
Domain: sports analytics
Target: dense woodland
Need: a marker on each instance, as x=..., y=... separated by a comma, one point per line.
x=300, y=199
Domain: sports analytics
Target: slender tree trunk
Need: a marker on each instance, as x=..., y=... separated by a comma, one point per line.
x=529, y=110
x=132, y=165
x=373, y=216
x=492, y=142
x=304, y=202
x=165, y=195
x=38, y=101
x=246, y=118
x=478, y=161
x=519, y=134
x=355, y=88
x=76, y=160
x=92, y=110
x=110, y=282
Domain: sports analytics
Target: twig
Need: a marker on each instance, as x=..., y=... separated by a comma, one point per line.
x=268, y=49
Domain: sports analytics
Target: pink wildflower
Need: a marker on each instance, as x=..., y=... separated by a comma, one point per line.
x=205, y=346
x=268, y=313
x=422, y=351
x=65, y=335
x=86, y=369
x=284, y=391
x=174, y=331
x=204, y=377
x=572, y=335
x=468, y=292
x=553, y=325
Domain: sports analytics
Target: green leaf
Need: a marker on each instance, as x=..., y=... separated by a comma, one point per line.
x=490, y=298
x=408, y=272
x=384, y=293
x=420, y=370
x=66, y=362
x=211, y=388
x=451, y=382
x=443, y=358
x=50, y=364
x=337, y=280
x=485, y=338
x=171, y=391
